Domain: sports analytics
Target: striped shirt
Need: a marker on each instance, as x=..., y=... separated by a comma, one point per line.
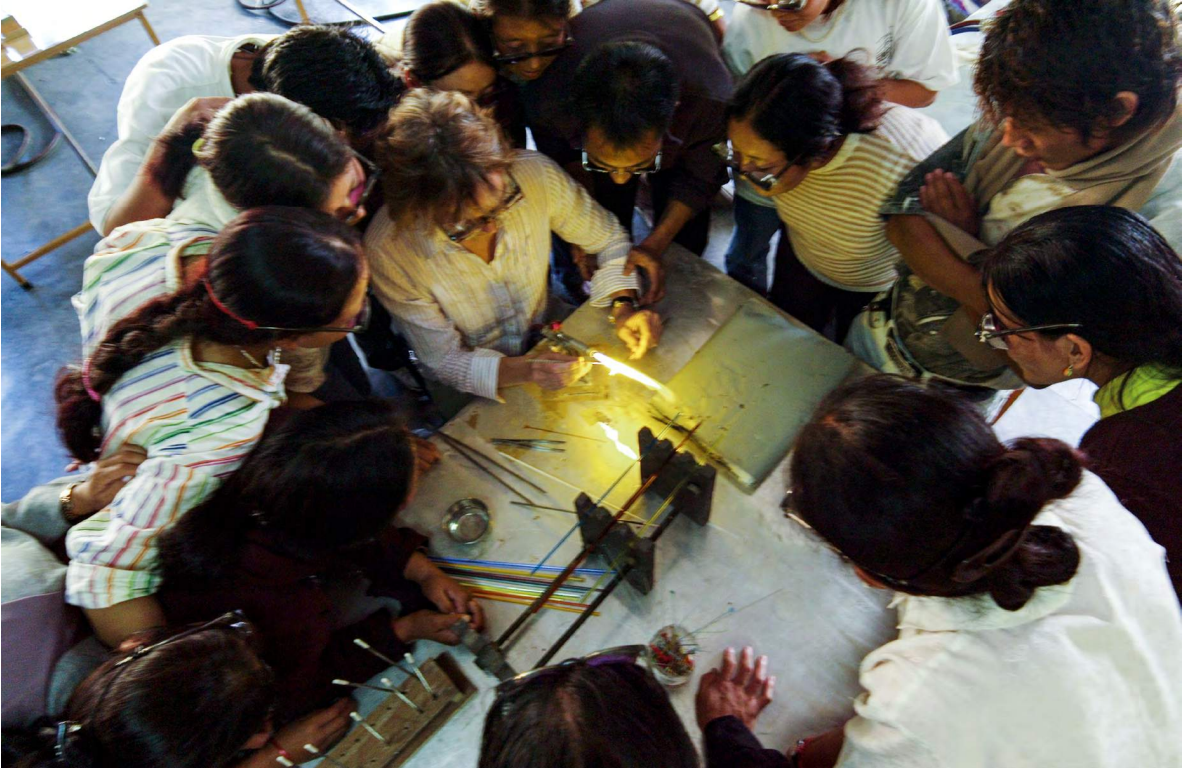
x=143, y=260
x=197, y=422
x=832, y=215
x=461, y=315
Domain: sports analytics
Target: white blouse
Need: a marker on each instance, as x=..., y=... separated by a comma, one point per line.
x=1087, y=674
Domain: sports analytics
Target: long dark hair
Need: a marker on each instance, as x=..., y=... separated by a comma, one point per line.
x=328, y=478
x=260, y=149
x=288, y=267
x=441, y=37
x=337, y=74
x=912, y=485
x=802, y=106
x=192, y=703
x=1103, y=267
x=581, y=716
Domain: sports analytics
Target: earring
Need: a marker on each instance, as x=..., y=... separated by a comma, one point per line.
x=1069, y=371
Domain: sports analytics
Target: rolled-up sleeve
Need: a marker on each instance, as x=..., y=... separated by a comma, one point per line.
x=113, y=554
x=578, y=219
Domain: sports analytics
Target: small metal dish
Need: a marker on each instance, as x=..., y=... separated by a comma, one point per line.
x=467, y=521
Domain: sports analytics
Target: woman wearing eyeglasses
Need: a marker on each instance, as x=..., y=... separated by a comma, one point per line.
x=446, y=47
x=600, y=710
x=817, y=141
x=260, y=149
x=1037, y=624
x=192, y=377
x=461, y=252
x=1095, y=292
x=199, y=698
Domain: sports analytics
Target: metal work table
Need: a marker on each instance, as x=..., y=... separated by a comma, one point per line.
x=814, y=618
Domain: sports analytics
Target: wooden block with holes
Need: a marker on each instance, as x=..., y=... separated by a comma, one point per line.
x=405, y=729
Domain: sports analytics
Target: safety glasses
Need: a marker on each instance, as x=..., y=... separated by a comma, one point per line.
x=516, y=57
x=360, y=323
x=763, y=180
x=465, y=229
x=593, y=167
x=991, y=332
x=623, y=654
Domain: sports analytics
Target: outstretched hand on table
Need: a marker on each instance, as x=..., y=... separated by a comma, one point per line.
x=740, y=689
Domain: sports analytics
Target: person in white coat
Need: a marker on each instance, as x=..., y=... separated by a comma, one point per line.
x=1037, y=622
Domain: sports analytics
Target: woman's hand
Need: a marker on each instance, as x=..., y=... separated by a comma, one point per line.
x=640, y=330
x=554, y=370
x=428, y=625
x=105, y=481
x=943, y=195
x=444, y=591
x=741, y=690
x=321, y=729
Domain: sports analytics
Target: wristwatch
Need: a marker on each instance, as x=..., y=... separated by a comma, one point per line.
x=65, y=502
x=619, y=300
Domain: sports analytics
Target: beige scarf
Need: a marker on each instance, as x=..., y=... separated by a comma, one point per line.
x=1125, y=177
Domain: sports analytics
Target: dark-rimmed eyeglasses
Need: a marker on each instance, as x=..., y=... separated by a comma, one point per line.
x=360, y=323
x=763, y=180
x=593, y=167
x=462, y=231
x=990, y=332
x=545, y=53
x=776, y=5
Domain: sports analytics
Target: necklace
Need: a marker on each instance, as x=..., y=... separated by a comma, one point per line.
x=831, y=21
x=250, y=358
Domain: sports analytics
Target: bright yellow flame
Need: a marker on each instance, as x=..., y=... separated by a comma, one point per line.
x=615, y=366
x=613, y=434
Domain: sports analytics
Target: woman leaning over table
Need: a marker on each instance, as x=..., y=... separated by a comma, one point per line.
x=188, y=378
x=1095, y=292
x=463, y=264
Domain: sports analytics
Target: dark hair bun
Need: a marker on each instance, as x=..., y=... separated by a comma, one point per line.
x=1021, y=481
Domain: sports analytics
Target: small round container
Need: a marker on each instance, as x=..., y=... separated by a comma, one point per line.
x=670, y=655
x=467, y=521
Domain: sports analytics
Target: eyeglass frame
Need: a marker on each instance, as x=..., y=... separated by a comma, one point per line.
x=360, y=324
x=620, y=654
x=988, y=332
x=766, y=183
x=546, y=53
x=372, y=174
x=790, y=6
x=460, y=234
x=588, y=165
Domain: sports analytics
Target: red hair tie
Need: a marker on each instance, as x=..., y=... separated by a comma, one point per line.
x=252, y=325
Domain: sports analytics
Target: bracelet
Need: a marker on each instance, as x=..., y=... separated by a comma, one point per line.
x=618, y=301
x=283, y=753
x=718, y=14
x=65, y=501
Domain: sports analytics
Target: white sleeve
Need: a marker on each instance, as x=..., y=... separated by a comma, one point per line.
x=877, y=737
x=923, y=49
x=154, y=91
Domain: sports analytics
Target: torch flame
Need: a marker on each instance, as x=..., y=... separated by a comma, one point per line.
x=613, y=434
x=615, y=366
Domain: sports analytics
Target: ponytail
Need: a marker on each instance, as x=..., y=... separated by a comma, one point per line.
x=1033, y=472
x=273, y=266
x=803, y=106
x=940, y=506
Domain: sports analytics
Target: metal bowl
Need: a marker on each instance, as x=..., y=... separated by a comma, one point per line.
x=467, y=521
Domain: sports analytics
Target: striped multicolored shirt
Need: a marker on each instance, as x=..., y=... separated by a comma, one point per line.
x=197, y=422
x=462, y=315
x=832, y=215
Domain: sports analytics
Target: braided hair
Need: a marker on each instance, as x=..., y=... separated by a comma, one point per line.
x=272, y=266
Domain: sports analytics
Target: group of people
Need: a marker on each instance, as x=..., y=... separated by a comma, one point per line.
x=269, y=197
